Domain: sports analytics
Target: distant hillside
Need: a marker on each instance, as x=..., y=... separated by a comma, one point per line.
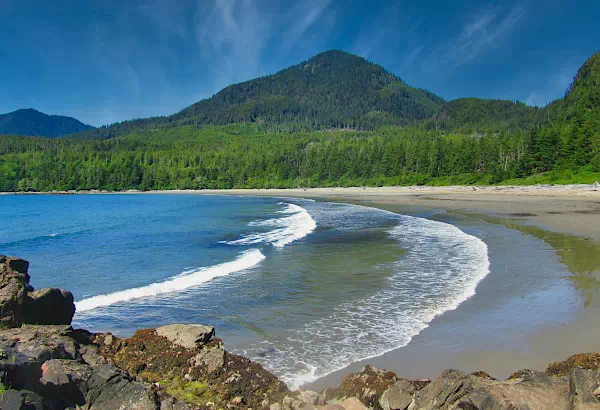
x=30, y=122
x=331, y=90
x=479, y=115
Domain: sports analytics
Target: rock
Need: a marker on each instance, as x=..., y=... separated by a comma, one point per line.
x=49, y=306
x=213, y=359
x=21, y=400
x=589, y=361
x=583, y=384
x=457, y=390
x=14, y=286
x=368, y=386
x=111, y=389
x=483, y=375
x=308, y=397
x=66, y=380
x=188, y=336
x=399, y=396
x=353, y=404
x=275, y=406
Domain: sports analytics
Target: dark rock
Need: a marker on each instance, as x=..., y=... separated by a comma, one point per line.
x=109, y=388
x=21, y=400
x=14, y=286
x=49, y=306
x=66, y=380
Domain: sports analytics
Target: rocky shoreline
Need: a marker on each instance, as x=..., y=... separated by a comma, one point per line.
x=46, y=364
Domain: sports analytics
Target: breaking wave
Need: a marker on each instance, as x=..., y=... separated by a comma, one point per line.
x=296, y=225
x=178, y=283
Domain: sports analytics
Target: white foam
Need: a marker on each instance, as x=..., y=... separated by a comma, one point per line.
x=441, y=269
x=290, y=228
x=178, y=283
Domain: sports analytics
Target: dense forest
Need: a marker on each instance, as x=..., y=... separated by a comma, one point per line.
x=467, y=141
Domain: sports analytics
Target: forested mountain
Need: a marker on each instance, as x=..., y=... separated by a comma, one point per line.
x=479, y=115
x=31, y=122
x=331, y=90
x=469, y=141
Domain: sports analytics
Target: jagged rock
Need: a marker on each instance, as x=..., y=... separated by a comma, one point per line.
x=582, y=385
x=188, y=336
x=353, y=404
x=213, y=358
x=457, y=390
x=20, y=304
x=368, y=386
x=49, y=306
x=483, y=375
x=109, y=388
x=399, y=396
x=308, y=397
x=589, y=361
x=14, y=286
x=21, y=400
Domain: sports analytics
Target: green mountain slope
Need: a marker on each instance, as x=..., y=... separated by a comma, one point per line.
x=480, y=115
x=30, y=122
x=331, y=90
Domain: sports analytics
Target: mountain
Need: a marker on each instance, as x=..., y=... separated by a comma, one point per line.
x=30, y=122
x=334, y=89
x=480, y=115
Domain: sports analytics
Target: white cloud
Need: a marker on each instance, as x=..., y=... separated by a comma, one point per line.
x=480, y=33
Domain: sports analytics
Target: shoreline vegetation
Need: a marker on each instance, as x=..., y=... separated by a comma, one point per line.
x=46, y=364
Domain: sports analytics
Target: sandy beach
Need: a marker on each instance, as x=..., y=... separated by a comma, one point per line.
x=541, y=300
x=548, y=235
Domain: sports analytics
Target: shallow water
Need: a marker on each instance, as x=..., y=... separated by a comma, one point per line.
x=304, y=287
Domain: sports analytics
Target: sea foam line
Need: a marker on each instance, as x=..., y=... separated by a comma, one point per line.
x=441, y=269
x=295, y=225
x=178, y=283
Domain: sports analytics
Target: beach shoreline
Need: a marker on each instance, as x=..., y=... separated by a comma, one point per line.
x=572, y=209
x=559, y=219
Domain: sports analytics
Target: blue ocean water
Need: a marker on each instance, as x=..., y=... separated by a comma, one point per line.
x=304, y=287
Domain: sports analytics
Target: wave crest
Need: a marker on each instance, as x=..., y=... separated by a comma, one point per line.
x=178, y=283
x=289, y=228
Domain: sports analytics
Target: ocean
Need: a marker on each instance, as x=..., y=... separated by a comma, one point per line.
x=305, y=288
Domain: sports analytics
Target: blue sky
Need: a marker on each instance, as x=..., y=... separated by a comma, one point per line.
x=107, y=61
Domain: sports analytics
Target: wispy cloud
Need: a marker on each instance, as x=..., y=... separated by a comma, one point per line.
x=479, y=33
x=308, y=13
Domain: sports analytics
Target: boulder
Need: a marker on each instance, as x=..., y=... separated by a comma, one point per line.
x=21, y=399
x=457, y=390
x=368, y=386
x=109, y=388
x=49, y=306
x=590, y=361
x=14, y=286
x=188, y=336
x=20, y=304
x=399, y=396
x=582, y=387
